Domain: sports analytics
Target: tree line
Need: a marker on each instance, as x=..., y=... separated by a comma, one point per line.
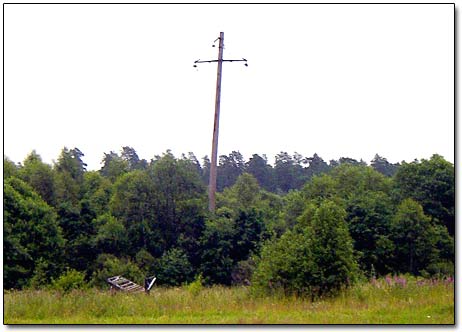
x=301, y=226
x=289, y=171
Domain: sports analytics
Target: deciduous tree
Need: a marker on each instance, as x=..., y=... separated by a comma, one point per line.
x=31, y=233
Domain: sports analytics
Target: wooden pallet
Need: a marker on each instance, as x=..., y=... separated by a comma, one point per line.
x=123, y=284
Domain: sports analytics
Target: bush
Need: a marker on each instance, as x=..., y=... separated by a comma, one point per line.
x=217, y=245
x=70, y=280
x=282, y=267
x=43, y=274
x=109, y=266
x=195, y=287
x=145, y=261
x=438, y=270
x=242, y=272
x=32, y=236
x=315, y=259
x=174, y=268
x=332, y=250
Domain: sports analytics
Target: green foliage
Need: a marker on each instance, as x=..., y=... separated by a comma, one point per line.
x=109, y=266
x=352, y=179
x=179, y=201
x=285, y=172
x=9, y=168
x=368, y=218
x=246, y=190
x=145, y=261
x=229, y=168
x=137, y=218
x=43, y=274
x=217, y=246
x=431, y=183
x=245, y=200
x=80, y=252
x=316, y=259
x=305, y=220
x=67, y=190
x=382, y=165
x=294, y=204
x=317, y=165
x=419, y=244
x=131, y=158
x=289, y=172
x=133, y=204
x=205, y=171
x=111, y=236
x=30, y=233
x=190, y=227
x=242, y=272
x=365, y=194
x=258, y=167
x=113, y=166
x=271, y=207
x=132, y=196
x=195, y=287
x=97, y=192
x=238, y=229
x=284, y=266
x=69, y=220
x=70, y=162
x=174, y=268
x=320, y=188
x=443, y=242
x=332, y=250
x=70, y=280
x=39, y=176
x=249, y=233
x=410, y=226
x=69, y=173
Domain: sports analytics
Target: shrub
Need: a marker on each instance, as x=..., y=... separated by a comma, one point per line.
x=70, y=280
x=195, y=287
x=144, y=260
x=31, y=235
x=282, y=266
x=332, y=250
x=439, y=270
x=174, y=268
x=242, y=272
x=109, y=266
x=217, y=245
x=316, y=259
x=41, y=278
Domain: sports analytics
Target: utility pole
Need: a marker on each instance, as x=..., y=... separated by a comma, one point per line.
x=213, y=165
x=216, y=123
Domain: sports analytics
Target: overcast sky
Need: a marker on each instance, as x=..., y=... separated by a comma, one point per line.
x=337, y=80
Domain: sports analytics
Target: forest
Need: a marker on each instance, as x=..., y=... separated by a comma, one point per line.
x=298, y=226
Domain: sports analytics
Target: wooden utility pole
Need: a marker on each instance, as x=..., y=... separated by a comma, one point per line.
x=216, y=123
x=213, y=165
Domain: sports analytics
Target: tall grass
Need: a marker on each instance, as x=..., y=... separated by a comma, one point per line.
x=378, y=302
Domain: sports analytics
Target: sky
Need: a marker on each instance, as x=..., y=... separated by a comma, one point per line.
x=336, y=80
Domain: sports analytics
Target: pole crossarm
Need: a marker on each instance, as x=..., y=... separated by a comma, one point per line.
x=224, y=60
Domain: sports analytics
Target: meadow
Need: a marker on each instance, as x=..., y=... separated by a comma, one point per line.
x=385, y=301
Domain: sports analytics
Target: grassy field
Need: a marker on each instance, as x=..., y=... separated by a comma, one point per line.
x=386, y=301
